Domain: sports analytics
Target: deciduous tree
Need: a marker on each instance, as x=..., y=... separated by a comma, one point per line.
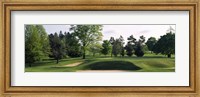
x=86, y=34
x=95, y=48
x=106, y=47
x=36, y=43
x=151, y=43
x=166, y=44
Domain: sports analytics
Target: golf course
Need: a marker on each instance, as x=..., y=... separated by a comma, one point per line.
x=147, y=63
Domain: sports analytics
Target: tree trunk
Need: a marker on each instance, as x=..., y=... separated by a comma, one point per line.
x=57, y=61
x=169, y=55
x=83, y=53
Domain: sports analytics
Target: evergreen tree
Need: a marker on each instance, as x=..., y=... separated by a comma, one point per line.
x=139, y=51
x=57, y=47
x=130, y=45
x=136, y=46
x=129, y=49
x=117, y=46
x=73, y=47
x=121, y=39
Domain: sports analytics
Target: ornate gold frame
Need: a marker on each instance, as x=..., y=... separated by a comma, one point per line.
x=190, y=91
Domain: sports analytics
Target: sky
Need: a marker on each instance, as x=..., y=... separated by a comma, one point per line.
x=125, y=30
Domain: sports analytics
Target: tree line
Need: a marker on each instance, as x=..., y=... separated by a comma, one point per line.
x=87, y=38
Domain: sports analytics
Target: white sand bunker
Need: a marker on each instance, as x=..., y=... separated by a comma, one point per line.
x=69, y=65
x=73, y=64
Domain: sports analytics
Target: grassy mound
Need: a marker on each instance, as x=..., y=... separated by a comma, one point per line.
x=112, y=65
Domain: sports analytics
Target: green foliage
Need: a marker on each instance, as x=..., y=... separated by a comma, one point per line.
x=95, y=48
x=106, y=47
x=112, y=40
x=57, y=46
x=36, y=43
x=121, y=40
x=145, y=48
x=117, y=46
x=166, y=44
x=130, y=45
x=122, y=52
x=116, y=49
x=151, y=43
x=87, y=34
x=131, y=39
x=73, y=47
x=129, y=49
x=44, y=40
x=137, y=46
x=139, y=51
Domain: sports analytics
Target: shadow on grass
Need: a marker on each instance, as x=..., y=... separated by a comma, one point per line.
x=149, y=57
x=41, y=63
x=112, y=65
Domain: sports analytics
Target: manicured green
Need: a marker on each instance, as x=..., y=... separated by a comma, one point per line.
x=147, y=63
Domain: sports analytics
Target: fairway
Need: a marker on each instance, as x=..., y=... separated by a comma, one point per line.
x=147, y=63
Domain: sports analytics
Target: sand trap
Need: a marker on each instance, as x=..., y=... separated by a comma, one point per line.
x=73, y=64
x=102, y=71
x=69, y=65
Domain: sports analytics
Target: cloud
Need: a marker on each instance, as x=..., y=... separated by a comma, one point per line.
x=109, y=32
x=143, y=31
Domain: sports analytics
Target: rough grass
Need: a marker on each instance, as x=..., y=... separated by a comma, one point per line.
x=148, y=63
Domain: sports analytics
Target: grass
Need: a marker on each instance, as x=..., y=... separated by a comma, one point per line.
x=147, y=63
x=112, y=65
